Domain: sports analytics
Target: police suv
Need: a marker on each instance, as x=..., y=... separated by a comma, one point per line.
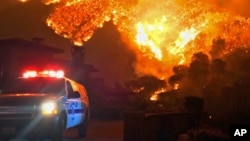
x=42, y=105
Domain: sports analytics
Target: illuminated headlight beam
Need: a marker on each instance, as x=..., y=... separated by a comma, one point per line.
x=49, y=108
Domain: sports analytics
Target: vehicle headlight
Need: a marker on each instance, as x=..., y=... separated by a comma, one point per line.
x=49, y=108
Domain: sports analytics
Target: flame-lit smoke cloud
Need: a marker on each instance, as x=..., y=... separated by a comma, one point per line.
x=162, y=33
x=238, y=7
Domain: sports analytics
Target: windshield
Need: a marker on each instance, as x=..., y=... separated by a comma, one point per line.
x=36, y=85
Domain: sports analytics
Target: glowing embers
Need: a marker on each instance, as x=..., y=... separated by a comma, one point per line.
x=45, y=73
x=48, y=2
x=163, y=33
x=23, y=1
x=78, y=19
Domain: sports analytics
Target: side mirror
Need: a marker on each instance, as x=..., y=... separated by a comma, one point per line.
x=75, y=94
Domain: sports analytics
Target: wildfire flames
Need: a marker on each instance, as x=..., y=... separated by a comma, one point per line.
x=163, y=33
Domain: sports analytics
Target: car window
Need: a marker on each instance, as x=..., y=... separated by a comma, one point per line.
x=36, y=85
x=69, y=87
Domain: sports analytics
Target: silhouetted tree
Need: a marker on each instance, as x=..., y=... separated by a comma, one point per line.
x=148, y=83
x=199, y=65
x=235, y=59
x=218, y=81
x=218, y=66
x=180, y=71
x=245, y=65
x=229, y=87
x=218, y=46
x=197, y=73
x=218, y=75
x=144, y=87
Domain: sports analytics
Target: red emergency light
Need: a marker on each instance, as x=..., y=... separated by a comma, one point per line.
x=45, y=73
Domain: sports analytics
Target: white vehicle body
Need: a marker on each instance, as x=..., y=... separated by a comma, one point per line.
x=43, y=107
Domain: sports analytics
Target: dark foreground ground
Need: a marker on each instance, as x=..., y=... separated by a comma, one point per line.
x=99, y=130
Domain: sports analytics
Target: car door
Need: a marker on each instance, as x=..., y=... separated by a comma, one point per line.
x=78, y=107
x=72, y=104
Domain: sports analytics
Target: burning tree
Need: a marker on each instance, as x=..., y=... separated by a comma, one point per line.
x=144, y=88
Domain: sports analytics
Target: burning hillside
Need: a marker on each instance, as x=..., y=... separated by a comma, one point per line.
x=162, y=33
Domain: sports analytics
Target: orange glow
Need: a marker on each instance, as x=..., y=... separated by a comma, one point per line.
x=154, y=97
x=149, y=36
x=162, y=33
x=23, y=1
x=176, y=86
x=48, y=2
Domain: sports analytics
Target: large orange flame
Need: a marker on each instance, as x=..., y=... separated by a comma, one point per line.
x=164, y=33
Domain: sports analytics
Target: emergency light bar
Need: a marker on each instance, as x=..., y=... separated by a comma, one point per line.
x=45, y=73
x=30, y=74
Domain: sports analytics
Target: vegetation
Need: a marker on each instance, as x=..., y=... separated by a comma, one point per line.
x=143, y=88
x=204, y=134
x=217, y=82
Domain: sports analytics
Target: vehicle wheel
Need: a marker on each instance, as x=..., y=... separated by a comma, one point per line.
x=57, y=135
x=82, y=128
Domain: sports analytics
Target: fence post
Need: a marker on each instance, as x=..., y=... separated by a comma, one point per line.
x=133, y=126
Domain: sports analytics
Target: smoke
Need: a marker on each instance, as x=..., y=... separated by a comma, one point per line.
x=237, y=7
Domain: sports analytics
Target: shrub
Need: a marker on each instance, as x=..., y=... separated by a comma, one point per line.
x=207, y=134
x=193, y=103
x=204, y=134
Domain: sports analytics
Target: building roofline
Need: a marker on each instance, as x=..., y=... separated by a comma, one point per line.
x=29, y=44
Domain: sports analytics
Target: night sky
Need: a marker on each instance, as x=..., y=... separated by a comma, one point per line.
x=27, y=20
x=104, y=50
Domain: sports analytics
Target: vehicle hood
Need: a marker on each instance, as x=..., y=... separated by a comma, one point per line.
x=23, y=99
